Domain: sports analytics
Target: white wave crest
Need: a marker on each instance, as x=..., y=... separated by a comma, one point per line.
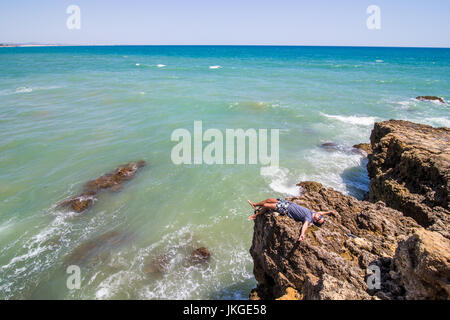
x=23, y=90
x=279, y=180
x=355, y=120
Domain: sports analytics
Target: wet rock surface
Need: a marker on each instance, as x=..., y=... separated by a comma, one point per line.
x=362, y=148
x=199, y=255
x=410, y=171
x=430, y=98
x=366, y=147
x=111, y=181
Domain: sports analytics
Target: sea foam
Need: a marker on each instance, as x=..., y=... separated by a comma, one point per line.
x=356, y=120
x=279, y=180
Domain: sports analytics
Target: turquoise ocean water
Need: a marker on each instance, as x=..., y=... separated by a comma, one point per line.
x=71, y=114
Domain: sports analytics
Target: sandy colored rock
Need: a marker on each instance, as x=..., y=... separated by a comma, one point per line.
x=423, y=265
x=291, y=294
x=310, y=186
x=366, y=147
x=410, y=171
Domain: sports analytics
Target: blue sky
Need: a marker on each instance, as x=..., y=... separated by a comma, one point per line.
x=266, y=22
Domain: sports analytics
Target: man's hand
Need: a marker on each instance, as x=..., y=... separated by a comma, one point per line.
x=302, y=237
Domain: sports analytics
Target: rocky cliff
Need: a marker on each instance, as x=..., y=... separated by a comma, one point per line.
x=367, y=250
x=409, y=170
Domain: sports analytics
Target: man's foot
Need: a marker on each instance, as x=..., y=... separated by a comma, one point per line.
x=253, y=216
x=252, y=204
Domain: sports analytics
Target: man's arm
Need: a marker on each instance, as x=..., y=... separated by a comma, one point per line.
x=304, y=228
x=324, y=213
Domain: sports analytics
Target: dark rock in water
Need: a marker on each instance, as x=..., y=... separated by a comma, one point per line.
x=111, y=181
x=114, y=179
x=430, y=98
x=361, y=148
x=80, y=202
x=422, y=265
x=329, y=264
x=199, y=255
x=97, y=248
x=410, y=171
x=366, y=147
x=329, y=146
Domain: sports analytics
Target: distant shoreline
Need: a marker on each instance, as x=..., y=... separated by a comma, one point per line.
x=30, y=45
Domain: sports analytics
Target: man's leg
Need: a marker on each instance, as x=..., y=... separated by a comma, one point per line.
x=260, y=204
x=266, y=207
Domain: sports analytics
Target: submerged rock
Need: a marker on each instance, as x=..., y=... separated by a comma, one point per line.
x=329, y=146
x=410, y=171
x=97, y=249
x=332, y=261
x=430, y=98
x=159, y=264
x=80, y=202
x=111, y=181
x=199, y=256
x=361, y=148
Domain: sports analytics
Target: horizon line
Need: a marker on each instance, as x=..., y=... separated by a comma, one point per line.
x=31, y=44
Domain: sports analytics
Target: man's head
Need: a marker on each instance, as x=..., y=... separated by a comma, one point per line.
x=318, y=219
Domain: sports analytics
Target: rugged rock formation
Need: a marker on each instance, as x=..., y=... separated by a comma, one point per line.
x=332, y=261
x=410, y=171
x=430, y=98
x=422, y=262
x=111, y=181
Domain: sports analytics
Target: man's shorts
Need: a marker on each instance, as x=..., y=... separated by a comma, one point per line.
x=282, y=206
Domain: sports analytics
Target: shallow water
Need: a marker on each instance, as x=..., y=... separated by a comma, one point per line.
x=71, y=114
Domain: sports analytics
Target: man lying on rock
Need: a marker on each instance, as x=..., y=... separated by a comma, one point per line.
x=292, y=210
